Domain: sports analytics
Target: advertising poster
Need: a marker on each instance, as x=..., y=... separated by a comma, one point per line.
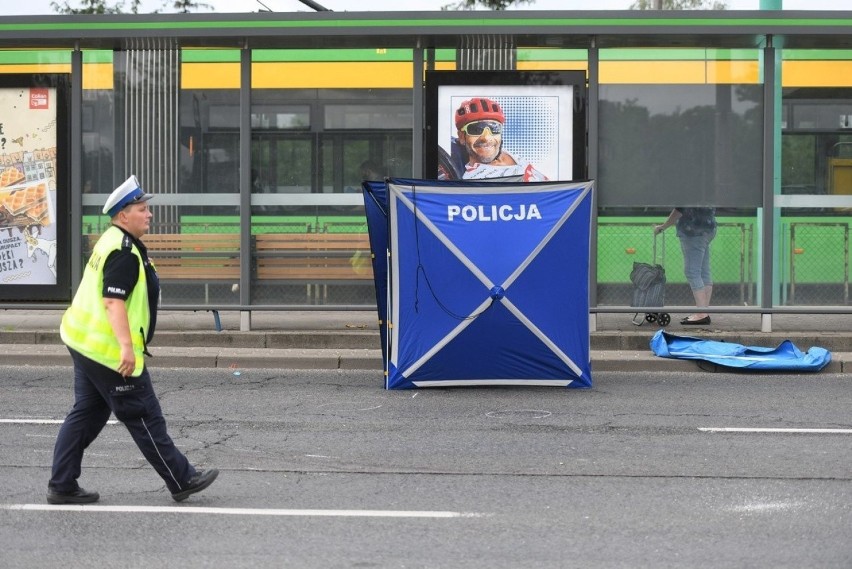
x=518, y=126
x=31, y=258
x=28, y=186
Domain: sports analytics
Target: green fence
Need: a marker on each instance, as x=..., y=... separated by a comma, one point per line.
x=814, y=250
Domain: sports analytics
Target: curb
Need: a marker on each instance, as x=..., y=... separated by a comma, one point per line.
x=354, y=359
x=617, y=340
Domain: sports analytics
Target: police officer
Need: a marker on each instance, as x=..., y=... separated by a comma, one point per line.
x=107, y=328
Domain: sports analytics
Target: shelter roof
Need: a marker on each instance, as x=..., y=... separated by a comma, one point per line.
x=555, y=29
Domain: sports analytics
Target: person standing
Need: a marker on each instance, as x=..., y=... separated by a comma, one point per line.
x=107, y=329
x=696, y=228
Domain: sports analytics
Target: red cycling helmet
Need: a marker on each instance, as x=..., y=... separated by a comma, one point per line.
x=479, y=109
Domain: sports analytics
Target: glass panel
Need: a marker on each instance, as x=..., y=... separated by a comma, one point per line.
x=202, y=269
x=816, y=141
x=816, y=179
x=210, y=141
x=625, y=239
x=308, y=148
x=98, y=145
x=688, y=144
x=679, y=128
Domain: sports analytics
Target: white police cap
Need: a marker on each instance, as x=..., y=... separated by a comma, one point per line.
x=127, y=193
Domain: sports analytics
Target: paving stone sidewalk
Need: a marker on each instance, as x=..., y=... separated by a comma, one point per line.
x=350, y=339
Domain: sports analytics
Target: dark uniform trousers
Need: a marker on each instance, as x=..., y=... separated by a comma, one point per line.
x=98, y=391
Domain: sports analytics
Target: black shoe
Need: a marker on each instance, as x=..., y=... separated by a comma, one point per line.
x=78, y=496
x=698, y=322
x=201, y=480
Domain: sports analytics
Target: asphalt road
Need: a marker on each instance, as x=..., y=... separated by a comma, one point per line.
x=327, y=470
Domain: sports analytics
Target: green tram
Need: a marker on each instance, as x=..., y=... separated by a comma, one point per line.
x=318, y=115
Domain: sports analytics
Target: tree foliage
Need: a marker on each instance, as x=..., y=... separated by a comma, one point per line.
x=490, y=4
x=94, y=7
x=637, y=4
x=187, y=6
x=123, y=6
x=678, y=5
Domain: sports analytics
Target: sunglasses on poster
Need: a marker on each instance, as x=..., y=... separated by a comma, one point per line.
x=476, y=128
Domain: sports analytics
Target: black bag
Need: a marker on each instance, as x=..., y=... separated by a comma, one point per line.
x=649, y=284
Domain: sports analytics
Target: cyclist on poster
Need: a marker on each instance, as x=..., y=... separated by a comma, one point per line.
x=478, y=151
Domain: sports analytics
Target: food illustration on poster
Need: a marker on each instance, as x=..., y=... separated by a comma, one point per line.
x=28, y=186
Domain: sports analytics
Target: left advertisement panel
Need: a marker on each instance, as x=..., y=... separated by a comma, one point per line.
x=34, y=188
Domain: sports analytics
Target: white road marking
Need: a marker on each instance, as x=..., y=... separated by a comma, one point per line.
x=42, y=421
x=529, y=413
x=493, y=413
x=769, y=430
x=347, y=407
x=766, y=507
x=238, y=511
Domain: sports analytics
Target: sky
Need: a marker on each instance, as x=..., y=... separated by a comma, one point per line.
x=42, y=7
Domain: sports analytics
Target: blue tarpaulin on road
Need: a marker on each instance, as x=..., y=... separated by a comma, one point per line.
x=784, y=357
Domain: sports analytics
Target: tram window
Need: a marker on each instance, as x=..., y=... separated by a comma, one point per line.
x=807, y=160
x=798, y=164
x=224, y=116
x=277, y=117
x=345, y=155
x=222, y=155
x=378, y=116
x=284, y=162
x=822, y=115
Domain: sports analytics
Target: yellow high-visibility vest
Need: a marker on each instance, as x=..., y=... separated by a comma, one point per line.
x=85, y=327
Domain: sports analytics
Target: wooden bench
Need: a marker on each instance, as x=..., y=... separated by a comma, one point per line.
x=206, y=257
x=314, y=259
x=202, y=258
x=190, y=257
x=280, y=256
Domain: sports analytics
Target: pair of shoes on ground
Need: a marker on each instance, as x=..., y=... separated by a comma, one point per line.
x=201, y=480
x=697, y=322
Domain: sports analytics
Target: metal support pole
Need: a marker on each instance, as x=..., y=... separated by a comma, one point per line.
x=246, y=253
x=76, y=167
x=770, y=124
x=592, y=157
x=417, y=114
x=771, y=89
